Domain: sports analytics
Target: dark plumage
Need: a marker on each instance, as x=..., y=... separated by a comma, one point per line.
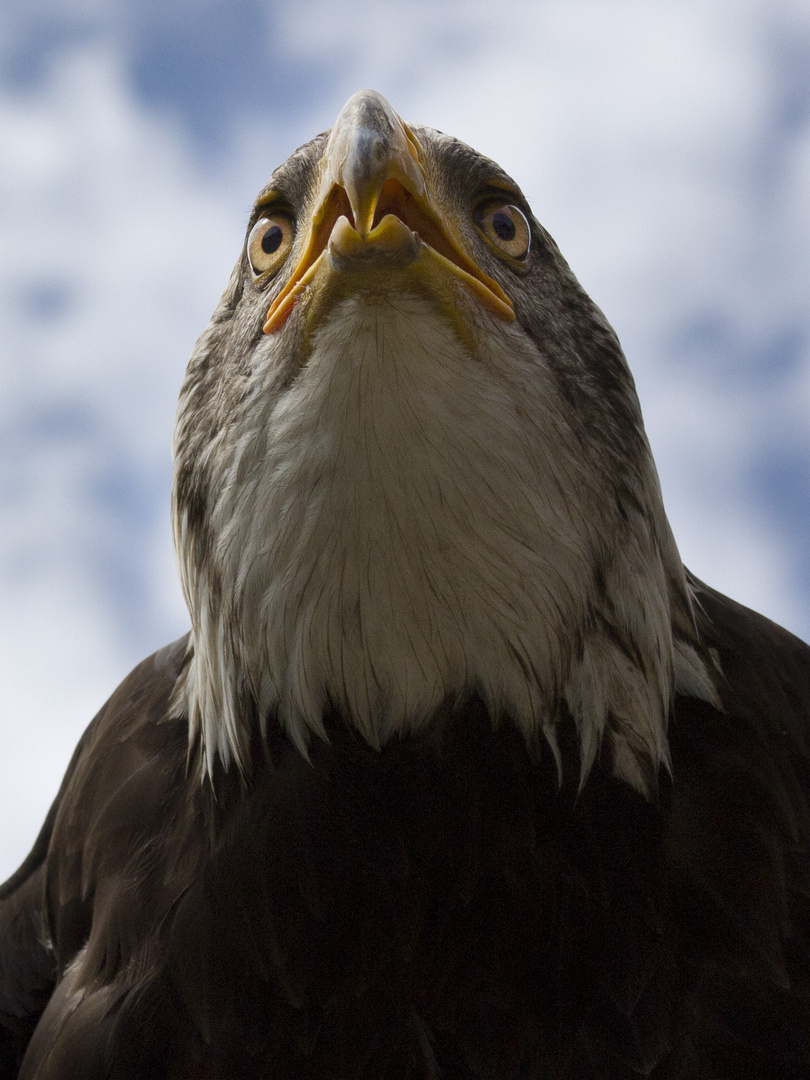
x=309, y=842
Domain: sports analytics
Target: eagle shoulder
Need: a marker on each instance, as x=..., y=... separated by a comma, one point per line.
x=107, y=809
x=737, y=844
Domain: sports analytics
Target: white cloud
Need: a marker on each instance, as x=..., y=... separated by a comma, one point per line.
x=59, y=666
x=117, y=252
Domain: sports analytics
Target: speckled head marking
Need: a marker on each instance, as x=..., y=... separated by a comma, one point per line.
x=410, y=466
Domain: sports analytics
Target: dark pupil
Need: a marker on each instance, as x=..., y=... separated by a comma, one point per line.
x=504, y=226
x=271, y=241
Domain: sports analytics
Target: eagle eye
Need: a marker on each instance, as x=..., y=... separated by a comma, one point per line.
x=269, y=241
x=506, y=227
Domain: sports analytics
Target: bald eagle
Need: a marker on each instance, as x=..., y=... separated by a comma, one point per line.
x=459, y=774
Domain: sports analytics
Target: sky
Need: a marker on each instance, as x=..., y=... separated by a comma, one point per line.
x=665, y=144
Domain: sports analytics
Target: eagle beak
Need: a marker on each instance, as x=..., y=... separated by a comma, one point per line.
x=374, y=211
x=368, y=145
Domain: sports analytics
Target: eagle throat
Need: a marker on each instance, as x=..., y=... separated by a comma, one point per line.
x=407, y=522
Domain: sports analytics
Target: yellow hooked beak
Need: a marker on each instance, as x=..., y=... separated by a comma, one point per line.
x=374, y=213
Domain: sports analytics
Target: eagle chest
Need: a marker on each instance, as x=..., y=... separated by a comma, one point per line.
x=438, y=902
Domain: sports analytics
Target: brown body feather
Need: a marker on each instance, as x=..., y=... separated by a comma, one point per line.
x=439, y=908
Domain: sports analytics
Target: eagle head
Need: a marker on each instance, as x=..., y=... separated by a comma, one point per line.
x=410, y=468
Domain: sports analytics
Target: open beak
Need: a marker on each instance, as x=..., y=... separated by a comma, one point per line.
x=374, y=212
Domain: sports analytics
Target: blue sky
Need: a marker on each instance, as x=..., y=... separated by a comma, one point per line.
x=666, y=147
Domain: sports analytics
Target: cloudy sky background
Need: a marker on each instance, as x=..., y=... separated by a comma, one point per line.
x=665, y=144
